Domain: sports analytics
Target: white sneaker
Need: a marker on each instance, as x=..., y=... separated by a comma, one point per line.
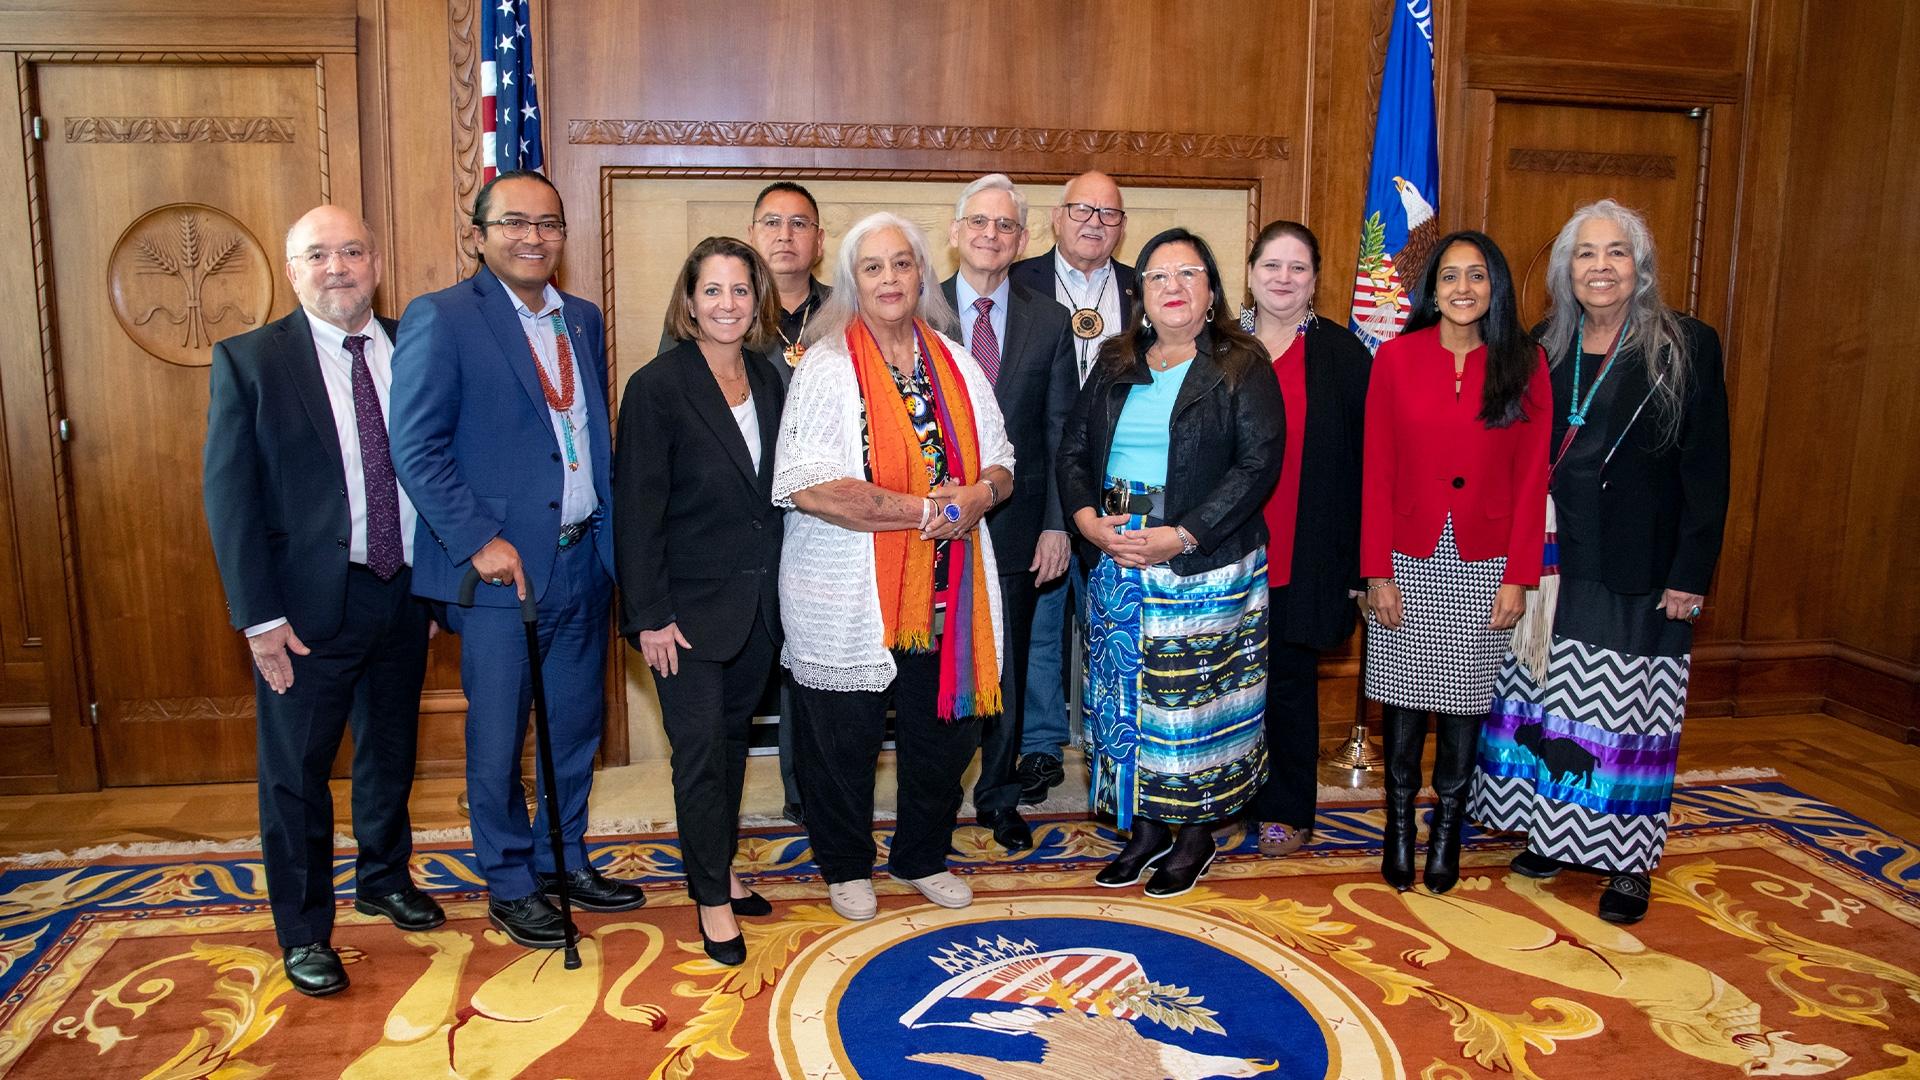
x=944, y=889
x=853, y=900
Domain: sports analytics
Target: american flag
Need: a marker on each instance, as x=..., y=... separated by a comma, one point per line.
x=510, y=108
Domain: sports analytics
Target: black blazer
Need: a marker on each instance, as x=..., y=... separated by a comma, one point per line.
x=1223, y=455
x=1663, y=503
x=1037, y=383
x=1037, y=274
x=274, y=485
x=696, y=536
x=1315, y=609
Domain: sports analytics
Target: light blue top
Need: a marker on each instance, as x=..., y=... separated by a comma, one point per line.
x=1145, y=426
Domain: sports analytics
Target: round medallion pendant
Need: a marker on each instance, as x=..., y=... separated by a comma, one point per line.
x=1087, y=323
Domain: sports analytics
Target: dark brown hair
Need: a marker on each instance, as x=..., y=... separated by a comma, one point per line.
x=766, y=309
x=1234, y=350
x=1274, y=230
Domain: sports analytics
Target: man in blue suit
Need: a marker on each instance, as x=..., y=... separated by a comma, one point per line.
x=500, y=439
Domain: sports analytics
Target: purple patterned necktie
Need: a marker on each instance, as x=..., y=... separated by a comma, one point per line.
x=985, y=349
x=385, y=555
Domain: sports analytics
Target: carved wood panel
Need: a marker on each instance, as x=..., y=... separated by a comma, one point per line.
x=922, y=137
x=185, y=275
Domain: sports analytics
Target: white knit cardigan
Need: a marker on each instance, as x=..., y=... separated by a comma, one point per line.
x=829, y=602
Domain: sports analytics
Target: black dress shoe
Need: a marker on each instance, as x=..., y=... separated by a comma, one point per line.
x=590, y=890
x=1038, y=772
x=410, y=909
x=1150, y=843
x=315, y=969
x=752, y=905
x=731, y=952
x=1539, y=867
x=1625, y=898
x=1009, y=829
x=1176, y=876
x=530, y=922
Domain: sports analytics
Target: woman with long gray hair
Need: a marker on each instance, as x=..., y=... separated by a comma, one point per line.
x=1580, y=749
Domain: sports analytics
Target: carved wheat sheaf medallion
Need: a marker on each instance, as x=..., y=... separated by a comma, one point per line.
x=183, y=276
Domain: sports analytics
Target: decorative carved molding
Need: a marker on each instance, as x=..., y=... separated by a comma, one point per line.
x=463, y=49
x=181, y=270
x=169, y=57
x=1584, y=163
x=151, y=710
x=922, y=137
x=181, y=129
x=320, y=129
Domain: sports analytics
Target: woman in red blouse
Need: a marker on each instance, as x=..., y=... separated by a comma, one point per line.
x=1453, y=517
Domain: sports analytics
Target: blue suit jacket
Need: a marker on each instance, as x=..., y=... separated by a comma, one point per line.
x=473, y=442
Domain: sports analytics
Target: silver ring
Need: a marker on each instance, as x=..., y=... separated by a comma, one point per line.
x=497, y=581
x=1696, y=612
x=951, y=512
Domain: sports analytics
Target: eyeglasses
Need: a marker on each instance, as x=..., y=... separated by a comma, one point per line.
x=318, y=257
x=1110, y=216
x=1187, y=276
x=979, y=222
x=774, y=223
x=518, y=228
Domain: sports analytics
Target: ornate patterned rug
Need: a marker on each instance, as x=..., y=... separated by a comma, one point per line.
x=1784, y=941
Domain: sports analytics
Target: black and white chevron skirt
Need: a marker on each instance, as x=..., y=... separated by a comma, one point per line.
x=1583, y=760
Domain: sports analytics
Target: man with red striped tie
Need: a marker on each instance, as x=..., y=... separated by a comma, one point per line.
x=1022, y=341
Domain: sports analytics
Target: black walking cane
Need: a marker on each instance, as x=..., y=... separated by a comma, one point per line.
x=543, y=744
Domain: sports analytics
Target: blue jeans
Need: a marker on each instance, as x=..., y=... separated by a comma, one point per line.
x=1044, y=729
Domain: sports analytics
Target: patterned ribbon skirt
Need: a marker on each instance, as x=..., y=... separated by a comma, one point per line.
x=1583, y=760
x=1176, y=687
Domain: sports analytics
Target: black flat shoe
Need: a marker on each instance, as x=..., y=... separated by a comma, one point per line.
x=590, y=890
x=1538, y=867
x=1009, y=829
x=1625, y=898
x=530, y=922
x=410, y=909
x=1134, y=860
x=731, y=952
x=315, y=970
x=1176, y=877
x=752, y=905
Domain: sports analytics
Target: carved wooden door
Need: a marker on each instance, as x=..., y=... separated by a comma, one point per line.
x=168, y=191
x=1548, y=160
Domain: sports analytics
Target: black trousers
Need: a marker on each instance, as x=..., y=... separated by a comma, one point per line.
x=836, y=746
x=998, y=786
x=366, y=677
x=708, y=712
x=1293, y=736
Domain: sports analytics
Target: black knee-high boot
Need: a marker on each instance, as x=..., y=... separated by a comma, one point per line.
x=1405, y=733
x=1455, y=740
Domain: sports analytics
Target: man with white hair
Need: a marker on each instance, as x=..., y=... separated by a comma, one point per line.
x=1021, y=341
x=314, y=540
x=1099, y=293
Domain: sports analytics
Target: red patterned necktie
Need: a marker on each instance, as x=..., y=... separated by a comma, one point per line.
x=983, y=344
x=385, y=555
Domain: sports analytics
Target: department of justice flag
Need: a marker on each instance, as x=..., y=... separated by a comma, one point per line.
x=1403, y=185
x=509, y=105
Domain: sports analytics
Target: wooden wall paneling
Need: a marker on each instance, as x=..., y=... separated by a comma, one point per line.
x=45, y=736
x=184, y=25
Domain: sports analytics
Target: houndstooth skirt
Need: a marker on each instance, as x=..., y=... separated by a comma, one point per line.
x=1443, y=658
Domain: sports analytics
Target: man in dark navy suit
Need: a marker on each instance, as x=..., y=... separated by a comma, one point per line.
x=1099, y=293
x=500, y=437
x=311, y=534
x=1021, y=341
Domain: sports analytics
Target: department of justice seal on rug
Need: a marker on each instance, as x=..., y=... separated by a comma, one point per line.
x=1036, y=987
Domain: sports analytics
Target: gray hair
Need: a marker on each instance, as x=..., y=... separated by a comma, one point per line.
x=1654, y=329
x=844, y=305
x=993, y=182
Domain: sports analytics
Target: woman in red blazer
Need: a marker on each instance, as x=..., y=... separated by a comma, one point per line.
x=1452, y=520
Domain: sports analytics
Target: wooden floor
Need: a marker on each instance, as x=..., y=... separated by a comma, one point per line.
x=1873, y=777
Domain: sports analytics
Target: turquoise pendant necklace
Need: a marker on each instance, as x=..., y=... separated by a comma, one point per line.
x=1578, y=417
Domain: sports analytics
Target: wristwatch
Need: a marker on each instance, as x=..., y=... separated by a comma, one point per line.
x=1188, y=547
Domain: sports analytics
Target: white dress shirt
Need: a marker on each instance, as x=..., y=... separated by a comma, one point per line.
x=336, y=371
x=1099, y=290
x=964, y=295
x=578, y=500
x=747, y=416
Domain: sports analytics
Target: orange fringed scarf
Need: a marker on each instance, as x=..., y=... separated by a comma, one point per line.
x=903, y=562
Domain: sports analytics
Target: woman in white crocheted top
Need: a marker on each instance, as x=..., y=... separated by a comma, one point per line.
x=892, y=448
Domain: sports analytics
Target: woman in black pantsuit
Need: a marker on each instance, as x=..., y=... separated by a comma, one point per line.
x=697, y=543
x=1313, y=517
